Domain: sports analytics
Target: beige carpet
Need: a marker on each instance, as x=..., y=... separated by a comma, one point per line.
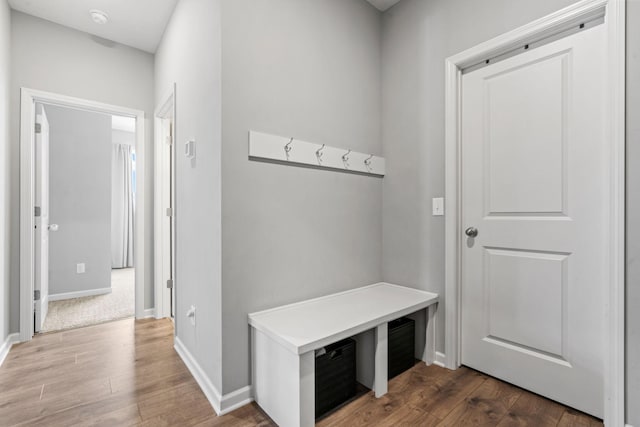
x=77, y=312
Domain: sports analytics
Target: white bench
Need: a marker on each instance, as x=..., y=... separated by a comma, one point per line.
x=283, y=341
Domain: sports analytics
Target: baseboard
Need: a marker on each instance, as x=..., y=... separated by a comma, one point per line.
x=212, y=394
x=79, y=294
x=149, y=312
x=221, y=404
x=440, y=358
x=6, y=346
x=234, y=400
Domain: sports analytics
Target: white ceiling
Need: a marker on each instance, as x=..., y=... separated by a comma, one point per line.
x=138, y=23
x=383, y=4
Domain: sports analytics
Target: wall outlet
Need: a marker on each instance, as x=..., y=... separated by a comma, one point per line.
x=80, y=268
x=191, y=314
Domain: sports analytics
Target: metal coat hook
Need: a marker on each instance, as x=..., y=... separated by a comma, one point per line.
x=287, y=148
x=319, y=153
x=345, y=159
x=367, y=161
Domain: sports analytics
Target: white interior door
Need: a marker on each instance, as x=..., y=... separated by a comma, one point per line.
x=534, y=187
x=168, y=219
x=172, y=223
x=41, y=246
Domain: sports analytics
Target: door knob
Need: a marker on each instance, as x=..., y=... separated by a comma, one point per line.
x=53, y=227
x=471, y=232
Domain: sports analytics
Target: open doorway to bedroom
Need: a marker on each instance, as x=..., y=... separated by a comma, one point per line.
x=85, y=190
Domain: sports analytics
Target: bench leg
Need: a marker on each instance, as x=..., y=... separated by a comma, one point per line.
x=380, y=378
x=307, y=389
x=430, y=341
x=283, y=382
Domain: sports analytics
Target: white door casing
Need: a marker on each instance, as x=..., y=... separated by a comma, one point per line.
x=41, y=233
x=28, y=100
x=535, y=186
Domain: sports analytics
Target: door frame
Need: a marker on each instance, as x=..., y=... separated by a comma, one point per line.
x=28, y=100
x=613, y=12
x=166, y=109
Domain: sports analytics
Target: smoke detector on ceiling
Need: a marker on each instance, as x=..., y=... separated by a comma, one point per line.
x=98, y=16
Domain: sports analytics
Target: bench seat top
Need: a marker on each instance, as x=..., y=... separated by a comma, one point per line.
x=312, y=324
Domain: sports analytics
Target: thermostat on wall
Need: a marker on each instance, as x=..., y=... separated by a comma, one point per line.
x=190, y=149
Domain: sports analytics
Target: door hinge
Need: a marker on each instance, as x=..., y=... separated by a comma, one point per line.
x=36, y=211
x=38, y=128
x=169, y=140
x=36, y=295
x=170, y=284
x=169, y=212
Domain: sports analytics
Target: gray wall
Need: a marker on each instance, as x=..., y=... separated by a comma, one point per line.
x=53, y=58
x=417, y=37
x=308, y=69
x=5, y=212
x=189, y=55
x=80, y=199
x=633, y=212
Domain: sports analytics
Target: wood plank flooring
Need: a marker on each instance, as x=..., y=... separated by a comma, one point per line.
x=127, y=373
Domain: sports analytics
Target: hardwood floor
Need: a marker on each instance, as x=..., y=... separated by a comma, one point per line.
x=127, y=373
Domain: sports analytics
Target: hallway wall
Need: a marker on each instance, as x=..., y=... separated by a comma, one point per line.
x=189, y=55
x=5, y=176
x=53, y=58
x=417, y=38
x=311, y=70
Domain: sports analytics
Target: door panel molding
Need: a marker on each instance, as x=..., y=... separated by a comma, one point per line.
x=556, y=23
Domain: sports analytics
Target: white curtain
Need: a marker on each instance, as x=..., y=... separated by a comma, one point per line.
x=122, y=206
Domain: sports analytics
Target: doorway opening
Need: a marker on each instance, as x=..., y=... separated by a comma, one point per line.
x=85, y=169
x=82, y=213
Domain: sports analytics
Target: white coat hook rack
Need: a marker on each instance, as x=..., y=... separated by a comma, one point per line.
x=283, y=149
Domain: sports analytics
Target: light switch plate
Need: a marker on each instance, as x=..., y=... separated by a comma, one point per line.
x=437, y=206
x=80, y=268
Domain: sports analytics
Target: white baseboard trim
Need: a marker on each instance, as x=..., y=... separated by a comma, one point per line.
x=440, y=358
x=6, y=346
x=79, y=294
x=628, y=425
x=234, y=400
x=211, y=393
x=221, y=404
x=149, y=312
